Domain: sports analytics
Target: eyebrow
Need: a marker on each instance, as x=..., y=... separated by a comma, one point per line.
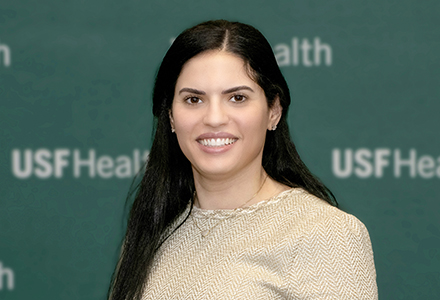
x=237, y=88
x=231, y=90
x=193, y=91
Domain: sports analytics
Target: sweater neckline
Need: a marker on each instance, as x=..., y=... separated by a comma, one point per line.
x=228, y=213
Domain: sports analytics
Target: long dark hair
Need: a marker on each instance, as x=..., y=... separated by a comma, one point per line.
x=167, y=186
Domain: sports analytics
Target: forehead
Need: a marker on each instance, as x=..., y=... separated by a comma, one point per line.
x=214, y=68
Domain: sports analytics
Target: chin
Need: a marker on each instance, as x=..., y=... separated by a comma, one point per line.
x=213, y=169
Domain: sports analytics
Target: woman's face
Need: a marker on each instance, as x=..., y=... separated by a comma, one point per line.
x=220, y=115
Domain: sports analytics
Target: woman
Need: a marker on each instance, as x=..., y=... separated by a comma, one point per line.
x=226, y=208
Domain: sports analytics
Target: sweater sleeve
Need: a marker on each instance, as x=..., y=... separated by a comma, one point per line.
x=335, y=260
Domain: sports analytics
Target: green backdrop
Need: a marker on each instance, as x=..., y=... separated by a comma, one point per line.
x=75, y=121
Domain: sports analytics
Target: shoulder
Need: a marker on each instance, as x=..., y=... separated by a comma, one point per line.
x=334, y=252
x=322, y=228
x=316, y=215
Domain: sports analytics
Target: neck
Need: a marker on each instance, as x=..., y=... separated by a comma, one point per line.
x=232, y=192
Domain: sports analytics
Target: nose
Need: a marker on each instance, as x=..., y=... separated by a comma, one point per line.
x=216, y=114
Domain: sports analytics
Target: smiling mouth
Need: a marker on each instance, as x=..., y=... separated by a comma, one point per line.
x=216, y=142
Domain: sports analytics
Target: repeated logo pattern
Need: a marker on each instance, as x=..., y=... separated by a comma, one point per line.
x=5, y=55
x=46, y=163
x=380, y=162
x=7, y=278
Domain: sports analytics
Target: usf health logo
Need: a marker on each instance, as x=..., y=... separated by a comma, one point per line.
x=5, y=55
x=56, y=163
x=380, y=162
x=304, y=53
x=6, y=278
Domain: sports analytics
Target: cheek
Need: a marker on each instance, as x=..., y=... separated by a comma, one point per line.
x=184, y=123
x=255, y=121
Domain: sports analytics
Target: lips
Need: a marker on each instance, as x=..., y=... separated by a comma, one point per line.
x=219, y=139
x=216, y=142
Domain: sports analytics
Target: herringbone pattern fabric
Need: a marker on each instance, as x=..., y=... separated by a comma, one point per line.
x=293, y=246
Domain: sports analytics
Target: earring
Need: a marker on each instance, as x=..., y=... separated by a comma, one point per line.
x=274, y=127
x=173, y=130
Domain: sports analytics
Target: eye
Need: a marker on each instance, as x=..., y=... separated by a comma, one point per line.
x=193, y=100
x=238, y=98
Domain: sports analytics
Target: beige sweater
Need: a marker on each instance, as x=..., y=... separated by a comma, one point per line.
x=292, y=246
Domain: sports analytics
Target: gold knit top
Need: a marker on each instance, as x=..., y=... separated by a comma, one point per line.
x=292, y=246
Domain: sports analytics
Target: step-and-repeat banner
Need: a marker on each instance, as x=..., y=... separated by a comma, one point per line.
x=75, y=127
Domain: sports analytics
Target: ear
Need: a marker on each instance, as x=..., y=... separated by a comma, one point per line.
x=170, y=114
x=275, y=114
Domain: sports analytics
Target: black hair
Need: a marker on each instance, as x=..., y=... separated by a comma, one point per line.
x=167, y=186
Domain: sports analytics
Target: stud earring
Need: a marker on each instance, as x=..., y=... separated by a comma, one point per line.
x=173, y=130
x=274, y=127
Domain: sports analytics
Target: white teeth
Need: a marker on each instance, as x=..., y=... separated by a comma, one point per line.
x=217, y=142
